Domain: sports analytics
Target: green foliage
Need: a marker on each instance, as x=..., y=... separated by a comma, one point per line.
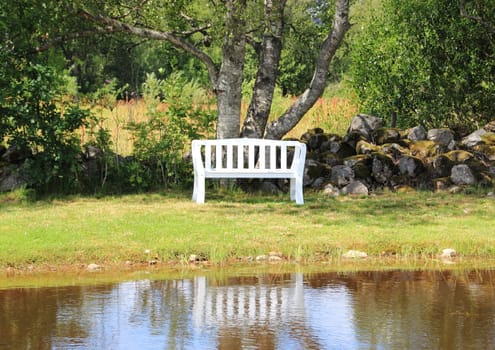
x=175, y=118
x=37, y=117
x=430, y=62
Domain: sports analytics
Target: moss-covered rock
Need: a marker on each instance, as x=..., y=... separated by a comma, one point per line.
x=425, y=149
x=418, y=133
x=315, y=141
x=382, y=167
x=411, y=166
x=329, y=158
x=365, y=147
x=365, y=125
x=346, y=150
x=459, y=156
x=361, y=164
x=441, y=166
x=442, y=136
x=395, y=150
x=353, y=138
x=486, y=150
x=310, y=132
x=488, y=138
x=441, y=183
x=402, y=159
x=314, y=169
x=385, y=135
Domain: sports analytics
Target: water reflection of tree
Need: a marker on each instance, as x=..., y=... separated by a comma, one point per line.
x=34, y=318
x=441, y=310
x=166, y=304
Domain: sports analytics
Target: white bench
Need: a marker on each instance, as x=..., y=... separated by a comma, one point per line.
x=248, y=158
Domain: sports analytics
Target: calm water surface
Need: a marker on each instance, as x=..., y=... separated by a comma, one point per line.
x=360, y=310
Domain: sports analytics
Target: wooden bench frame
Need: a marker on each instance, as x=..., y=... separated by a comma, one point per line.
x=248, y=158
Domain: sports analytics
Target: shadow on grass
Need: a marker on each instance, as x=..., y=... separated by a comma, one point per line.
x=418, y=208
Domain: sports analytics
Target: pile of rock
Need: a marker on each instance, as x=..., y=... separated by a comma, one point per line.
x=371, y=157
x=11, y=164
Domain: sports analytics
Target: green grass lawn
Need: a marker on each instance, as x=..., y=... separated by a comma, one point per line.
x=231, y=226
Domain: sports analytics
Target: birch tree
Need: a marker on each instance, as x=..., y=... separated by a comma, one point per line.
x=260, y=24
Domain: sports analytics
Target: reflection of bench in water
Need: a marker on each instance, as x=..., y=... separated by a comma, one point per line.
x=247, y=304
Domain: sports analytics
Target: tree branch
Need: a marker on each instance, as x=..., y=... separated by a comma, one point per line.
x=113, y=25
x=478, y=19
x=71, y=36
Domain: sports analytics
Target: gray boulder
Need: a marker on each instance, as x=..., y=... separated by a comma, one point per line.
x=474, y=138
x=342, y=175
x=461, y=174
x=11, y=178
x=356, y=187
x=365, y=125
x=444, y=137
x=410, y=166
x=418, y=133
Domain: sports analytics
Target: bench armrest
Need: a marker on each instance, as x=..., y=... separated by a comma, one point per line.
x=196, y=156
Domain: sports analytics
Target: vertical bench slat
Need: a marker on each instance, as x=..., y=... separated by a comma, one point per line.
x=273, y=157
x=208, y=156
x=283, y=157
x=240, y=157
x=230, y=159
x=251, y=157
x=218, y=156
x=261, y=160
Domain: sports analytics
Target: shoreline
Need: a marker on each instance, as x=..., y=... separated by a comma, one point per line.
x=49, y=275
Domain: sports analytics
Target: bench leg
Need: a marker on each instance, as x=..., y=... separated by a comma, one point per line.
x=195, y=188
x=199, y=189
x=296, y=190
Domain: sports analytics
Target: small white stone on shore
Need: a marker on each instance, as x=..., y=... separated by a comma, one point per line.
x=261, y=258
x=448, y=253
x=93, y=267
x=355, y=254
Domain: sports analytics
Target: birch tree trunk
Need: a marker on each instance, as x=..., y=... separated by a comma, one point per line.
x=280, y=127
x=269, y=57
x=229, y=83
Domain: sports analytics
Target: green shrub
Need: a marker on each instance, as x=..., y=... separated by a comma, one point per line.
x=177, y=114
x=36, y=115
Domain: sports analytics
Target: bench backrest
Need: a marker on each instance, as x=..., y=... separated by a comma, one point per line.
x=247, y=154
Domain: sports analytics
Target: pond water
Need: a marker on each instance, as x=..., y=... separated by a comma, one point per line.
x=358, y=310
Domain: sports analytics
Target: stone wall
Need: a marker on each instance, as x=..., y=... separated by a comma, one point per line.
x=371, y=157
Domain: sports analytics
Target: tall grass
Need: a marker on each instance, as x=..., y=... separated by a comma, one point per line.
x=330, y=113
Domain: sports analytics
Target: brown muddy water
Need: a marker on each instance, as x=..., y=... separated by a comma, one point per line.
x=352, y=310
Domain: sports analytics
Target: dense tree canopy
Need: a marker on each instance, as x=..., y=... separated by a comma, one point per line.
x=429, y=62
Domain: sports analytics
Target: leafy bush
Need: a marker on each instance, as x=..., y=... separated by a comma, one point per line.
x=36, y=116
x=177, y=114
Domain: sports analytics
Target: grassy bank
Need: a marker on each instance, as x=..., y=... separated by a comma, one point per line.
x=167, y=228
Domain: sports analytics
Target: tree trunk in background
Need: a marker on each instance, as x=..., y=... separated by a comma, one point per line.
x=229, y=84
x=280, y=127
x=269, y=57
